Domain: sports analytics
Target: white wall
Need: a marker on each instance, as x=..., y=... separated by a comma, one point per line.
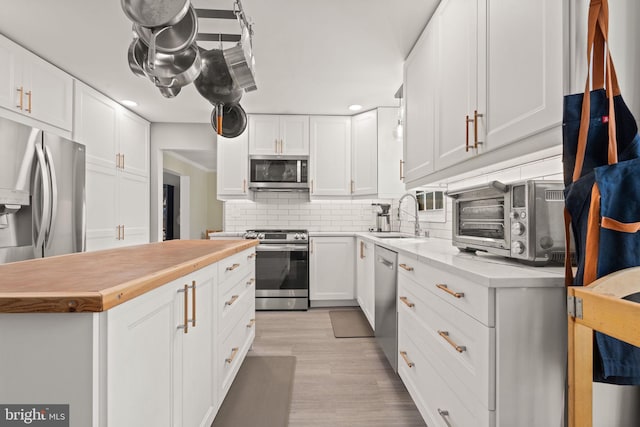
x=172, y=136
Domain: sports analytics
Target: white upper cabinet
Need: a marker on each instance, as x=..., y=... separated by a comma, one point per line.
x=420, y=96
x=483, y=84
x=457, y=71
x=32, y=87
x=279, y=135
x=524, y=84
x=330, y=156
x=364, y=154
x=232, y=163
x=390, y=184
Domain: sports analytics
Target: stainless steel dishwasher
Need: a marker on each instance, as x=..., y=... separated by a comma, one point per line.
x=386, y=278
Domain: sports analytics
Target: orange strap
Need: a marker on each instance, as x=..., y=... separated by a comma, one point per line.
x=597, y=37
x=568, y=271
x=593, y=238
x=623, y=227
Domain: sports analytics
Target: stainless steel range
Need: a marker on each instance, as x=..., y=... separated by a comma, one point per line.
x=282, y=269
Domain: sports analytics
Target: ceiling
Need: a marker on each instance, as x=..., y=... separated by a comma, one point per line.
x=312, y=56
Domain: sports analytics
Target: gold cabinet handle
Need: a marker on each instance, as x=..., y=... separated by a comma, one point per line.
x=185, y=327
x=233, y=299
x=406, y=267
x=311, y=186
x=251, y=323
x=475, y=129
x=193, y=303
x=445, y=335
x=253, y=255
x=122, y=157
x=445, y=416
x=28, y=109
x=276, y=142
x=361, y=249
x=234, y=352
x=352, y=185
x=122, y=231
x=251, y=281
x=444, y=287
x=21, y=92
x=233, y=267
x=406, y=302
x=467, y=121
x=244, y=185
x=117, y=160
x=118, y=231
x=401, y=170
x=406, y=359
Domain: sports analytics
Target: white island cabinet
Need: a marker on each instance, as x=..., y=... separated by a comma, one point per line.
x=158, y=359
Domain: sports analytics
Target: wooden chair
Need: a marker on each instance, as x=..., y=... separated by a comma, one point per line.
x=597, y=307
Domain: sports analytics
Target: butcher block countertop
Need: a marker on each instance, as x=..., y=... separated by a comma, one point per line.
x=98, y=281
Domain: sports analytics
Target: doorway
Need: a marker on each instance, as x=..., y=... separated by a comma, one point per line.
x=175, y=206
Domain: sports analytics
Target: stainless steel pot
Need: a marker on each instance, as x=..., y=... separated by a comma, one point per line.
x=215, y=83
x=155, y=13
x=170, y=72
x=234, y=123
x=137, y=55
x=173, y=38
x=240, y=62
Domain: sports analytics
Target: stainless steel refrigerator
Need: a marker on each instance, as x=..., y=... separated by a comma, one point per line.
x=42, y=193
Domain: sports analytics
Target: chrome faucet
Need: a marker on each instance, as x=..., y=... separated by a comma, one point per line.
x=416, y=225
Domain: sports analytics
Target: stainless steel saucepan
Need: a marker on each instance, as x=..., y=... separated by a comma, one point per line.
x=214, y=82
x=155, y=13
x=173, y=71
x=235, y=120
x=171, y=38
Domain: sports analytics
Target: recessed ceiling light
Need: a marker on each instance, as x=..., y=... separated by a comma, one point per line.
x=355, y=107
x=129, y=103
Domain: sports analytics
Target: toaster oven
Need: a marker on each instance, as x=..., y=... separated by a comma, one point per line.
x=522, y=220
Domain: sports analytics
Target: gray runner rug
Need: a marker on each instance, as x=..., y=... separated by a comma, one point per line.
x=260, y=395
x=350, y=324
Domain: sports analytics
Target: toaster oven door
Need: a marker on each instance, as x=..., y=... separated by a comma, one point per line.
x=482, y=224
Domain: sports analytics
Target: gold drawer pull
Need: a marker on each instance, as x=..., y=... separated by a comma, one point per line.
x=21, y=92
x=232, y=300
x=445, y=335
x=407, y=302
x=233, y=267
x=445, y=416
x=193, y=303
x=449, y=291
x=406, y=267
x=251, y=281
x=185, y=327
x=234, y=352
x=406, y=359
x=251, y=323
x=28, y=109
x=253, y=255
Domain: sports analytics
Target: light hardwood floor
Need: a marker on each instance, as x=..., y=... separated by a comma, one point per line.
x=345, y=382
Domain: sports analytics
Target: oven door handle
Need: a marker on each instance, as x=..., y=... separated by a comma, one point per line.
x=281, y=248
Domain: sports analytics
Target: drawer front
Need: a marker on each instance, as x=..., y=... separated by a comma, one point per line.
x=234, y=303
x=232, y=268
x=437, y=402
x=475, y=300
x=234, y=349
x=460, y=347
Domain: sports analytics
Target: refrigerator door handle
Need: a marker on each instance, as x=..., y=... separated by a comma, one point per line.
x=42, y=215
x=54, y=197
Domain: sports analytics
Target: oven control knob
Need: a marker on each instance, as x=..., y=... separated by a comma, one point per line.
x=518, y=247
x=517, y=228
x=260, y=236
x=250, y=235
x=513, y=215
x=297, y=236
x=303, y=236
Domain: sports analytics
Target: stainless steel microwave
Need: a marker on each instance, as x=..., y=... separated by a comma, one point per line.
x=522, y=220
x=279, y=173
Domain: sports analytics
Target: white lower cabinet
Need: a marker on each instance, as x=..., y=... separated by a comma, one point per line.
x=482, y=356
x=365, y=284
x=331, y=269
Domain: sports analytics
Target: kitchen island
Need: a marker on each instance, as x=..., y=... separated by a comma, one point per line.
x=143, y=335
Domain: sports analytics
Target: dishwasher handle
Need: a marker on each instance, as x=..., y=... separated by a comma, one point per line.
x=386, y=263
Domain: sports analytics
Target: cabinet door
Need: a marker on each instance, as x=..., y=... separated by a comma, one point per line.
x=49, y=93
x=330, y=156
x=524, y=84
x=420, y=93
x=294, y=135
x=134, y=143
x=364, y=153
x=232, y=167
x=96, y=126
x=141, y=337
x=133, y=209
x=197, y=353
x=390, y=185
x=10, y=75
x=102, y=200
x=331, y=268
x=264, y=134
x=365, y=279
x=457, y=61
